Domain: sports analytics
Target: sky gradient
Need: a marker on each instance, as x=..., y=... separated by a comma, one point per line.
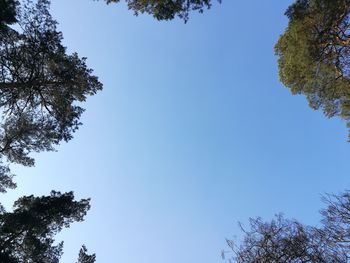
x=192, y=133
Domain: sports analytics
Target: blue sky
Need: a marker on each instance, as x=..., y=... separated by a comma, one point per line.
x=192, y=133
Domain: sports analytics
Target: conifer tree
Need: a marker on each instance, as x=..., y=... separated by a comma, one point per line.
x=313, y=54
x=167, y=9
x=41, y=88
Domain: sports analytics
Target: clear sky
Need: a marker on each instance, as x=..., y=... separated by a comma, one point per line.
x=192, y=133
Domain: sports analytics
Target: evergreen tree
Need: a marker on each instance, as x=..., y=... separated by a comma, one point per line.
x=313, y=54
x=41, y=87
x=27, y=233
x=167, y=9
x=84, y=257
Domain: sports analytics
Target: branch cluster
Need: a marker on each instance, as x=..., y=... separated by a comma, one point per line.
x=289, y=241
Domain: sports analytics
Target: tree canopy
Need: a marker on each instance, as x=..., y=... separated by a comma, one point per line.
x=167, y=9
x=313, y=54
x=7, y=13
x=84, y=257
x=27, y=233
x=289, y=241
x=41, y=87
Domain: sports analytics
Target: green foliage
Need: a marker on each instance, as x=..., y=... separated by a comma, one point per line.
x=166, y=9
x=313, y=54
x=288, y=241
x=27, y=234
x=40, y=87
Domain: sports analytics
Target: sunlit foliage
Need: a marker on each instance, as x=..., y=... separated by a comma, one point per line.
x=313, y=54
x=167, y=9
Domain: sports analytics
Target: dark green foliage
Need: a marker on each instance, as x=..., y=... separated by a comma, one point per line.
x=40, y=87
x=27, y=233
x=5, y=179
x=84, y=257
x=288, y=241
x=313, y=54
x=166, y=9
x=7, y=13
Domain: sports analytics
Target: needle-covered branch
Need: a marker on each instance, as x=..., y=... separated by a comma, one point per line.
x=27, y=233
x=314, y=54
x=41, y=86
x=167, y=9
